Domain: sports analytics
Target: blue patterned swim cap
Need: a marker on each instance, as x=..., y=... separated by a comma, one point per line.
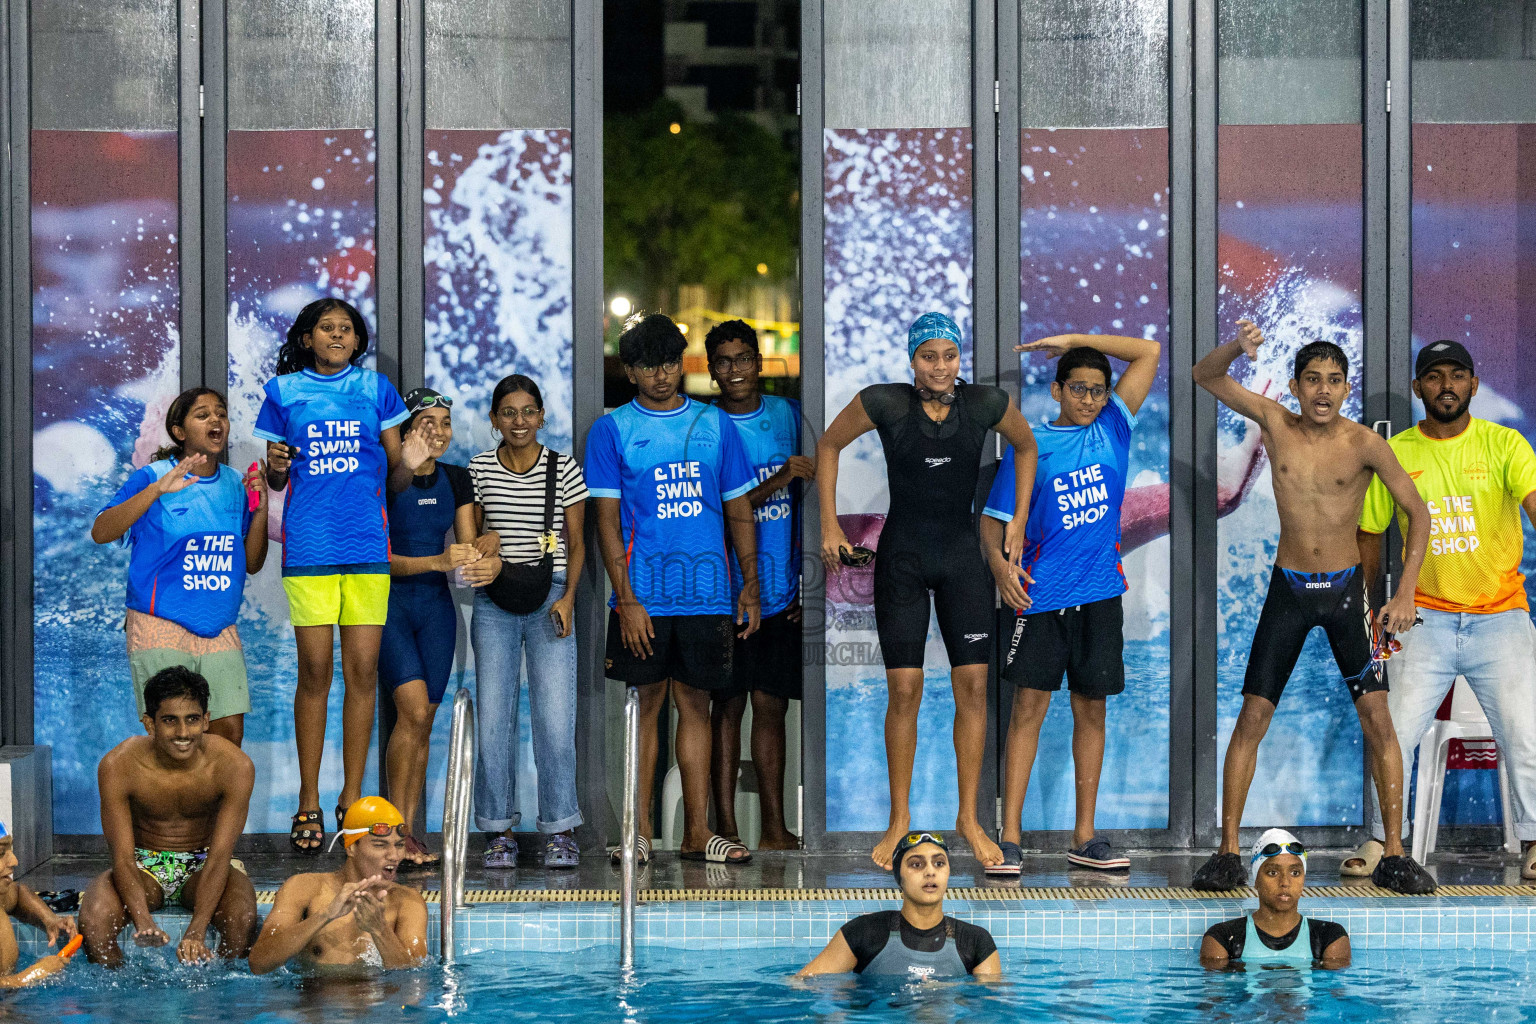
x=930, y=326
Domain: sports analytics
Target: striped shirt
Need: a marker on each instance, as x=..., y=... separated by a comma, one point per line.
x=514, y=502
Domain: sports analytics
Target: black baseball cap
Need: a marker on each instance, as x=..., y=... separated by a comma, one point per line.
x=1437, y=352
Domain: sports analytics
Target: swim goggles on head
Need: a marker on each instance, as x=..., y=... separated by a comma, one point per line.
x=912, y=839
x=1276, y=849
x=382, y=829
x=855, y=556
x=428, y=401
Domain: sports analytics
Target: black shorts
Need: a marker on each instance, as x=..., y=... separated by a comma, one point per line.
x=1085, y=643
x=693, y=649
x=909, y=564
x=1299, y=601
x=771, y=660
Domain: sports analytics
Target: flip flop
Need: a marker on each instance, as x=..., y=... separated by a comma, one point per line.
x=718, y=851
x=1528, y=863
x=1097, y=854
x=1369, y=854
x=642, y=852
x=414, y=845
x=308, y=826
x=1013, y=861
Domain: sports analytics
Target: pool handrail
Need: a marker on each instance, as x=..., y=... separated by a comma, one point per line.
x=629, y=838
x=456, y=810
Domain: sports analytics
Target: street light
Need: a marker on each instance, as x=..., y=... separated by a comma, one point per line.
x=762, y=268
x=675, y=128
x=620, y=306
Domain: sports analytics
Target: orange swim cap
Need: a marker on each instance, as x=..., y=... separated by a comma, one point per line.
x=366, y=813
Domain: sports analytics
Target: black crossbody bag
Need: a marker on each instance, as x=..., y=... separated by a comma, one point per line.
x=521, y=588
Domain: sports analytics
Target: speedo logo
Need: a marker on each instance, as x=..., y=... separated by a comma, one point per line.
x=973, y=637
x=935, y=462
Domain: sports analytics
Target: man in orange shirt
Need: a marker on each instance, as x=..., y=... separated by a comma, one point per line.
x=1475, y=476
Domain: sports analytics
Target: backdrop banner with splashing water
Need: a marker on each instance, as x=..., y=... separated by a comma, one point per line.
x=301, y=224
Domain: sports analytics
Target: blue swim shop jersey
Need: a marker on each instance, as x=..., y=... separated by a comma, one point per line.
x=1072, y=538
x=334, y=515
x=188, y=560
x=671, y=471
x=770, y=436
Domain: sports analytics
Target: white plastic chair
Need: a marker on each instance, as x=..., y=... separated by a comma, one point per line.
x=749, y=818
x=1466, y=722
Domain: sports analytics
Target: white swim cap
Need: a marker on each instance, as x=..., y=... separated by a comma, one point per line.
x=1279, y=837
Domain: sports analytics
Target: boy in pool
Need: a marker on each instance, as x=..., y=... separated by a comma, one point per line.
x=1321, y=465
x=356, y=915
x=19, y=901
x=1276, y=933
x=917, y=941
x=172, y=805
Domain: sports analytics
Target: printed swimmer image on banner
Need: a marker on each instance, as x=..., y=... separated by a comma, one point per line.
x=106, y=362
x=1093, y=257
x=498, y=300
x=1289, y=258
x=1474, y=281
x=898, y=240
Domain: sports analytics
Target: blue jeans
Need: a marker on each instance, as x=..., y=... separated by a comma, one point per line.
x=500, y=640
x=1497, y=655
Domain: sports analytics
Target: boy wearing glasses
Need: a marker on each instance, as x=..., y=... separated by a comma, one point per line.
x=1069, y=624
x=357, y=915
x=768, y=663
x=1276, y=933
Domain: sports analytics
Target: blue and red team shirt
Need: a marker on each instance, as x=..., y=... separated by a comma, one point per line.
x=1072, y=538
x=188, y=560
x=672, y=472
x=334, y=518
x=771, y=435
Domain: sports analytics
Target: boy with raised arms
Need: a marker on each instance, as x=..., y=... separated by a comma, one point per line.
x=1321, y=465
x=1070, y=622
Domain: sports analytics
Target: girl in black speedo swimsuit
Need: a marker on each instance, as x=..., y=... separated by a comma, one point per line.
x=933, y=432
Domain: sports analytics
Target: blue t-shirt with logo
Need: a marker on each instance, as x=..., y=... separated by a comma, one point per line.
x=1072, y=538
x=188, y=560
x=334, y=514
x=672, y=472
x=771, y=434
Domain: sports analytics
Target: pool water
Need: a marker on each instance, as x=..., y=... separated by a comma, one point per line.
x=671, y=985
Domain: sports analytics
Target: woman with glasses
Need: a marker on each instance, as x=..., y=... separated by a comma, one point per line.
x=532, y=501
x=1276, y=933
x=1067, y=593
x=417, y=645
x=933, y=432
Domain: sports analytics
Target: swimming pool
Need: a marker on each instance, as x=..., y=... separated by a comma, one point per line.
x=1421, y=959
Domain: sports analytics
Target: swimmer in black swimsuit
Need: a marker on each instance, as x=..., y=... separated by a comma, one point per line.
x=917, y=941
x=933, y=433
x=1320, y=465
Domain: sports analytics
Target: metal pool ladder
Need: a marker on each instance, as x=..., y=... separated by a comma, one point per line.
x=628, y=841
x=456, y=810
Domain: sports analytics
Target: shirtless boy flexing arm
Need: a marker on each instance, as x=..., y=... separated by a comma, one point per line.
x=1321, y=465
x=356, y=915
x=172, y=805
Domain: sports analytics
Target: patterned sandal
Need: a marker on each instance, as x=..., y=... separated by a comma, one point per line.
x=308, y=827
x=501, y=854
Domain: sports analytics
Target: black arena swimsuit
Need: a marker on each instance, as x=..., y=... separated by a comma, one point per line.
x=929, y=542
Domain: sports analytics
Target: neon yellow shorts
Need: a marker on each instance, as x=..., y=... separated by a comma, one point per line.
x=345, y=599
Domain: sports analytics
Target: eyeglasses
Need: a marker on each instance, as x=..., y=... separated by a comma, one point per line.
x=1080, y=390
x=670, y=366
x=429, y=401
x=1276, y=849
x=745, y=361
